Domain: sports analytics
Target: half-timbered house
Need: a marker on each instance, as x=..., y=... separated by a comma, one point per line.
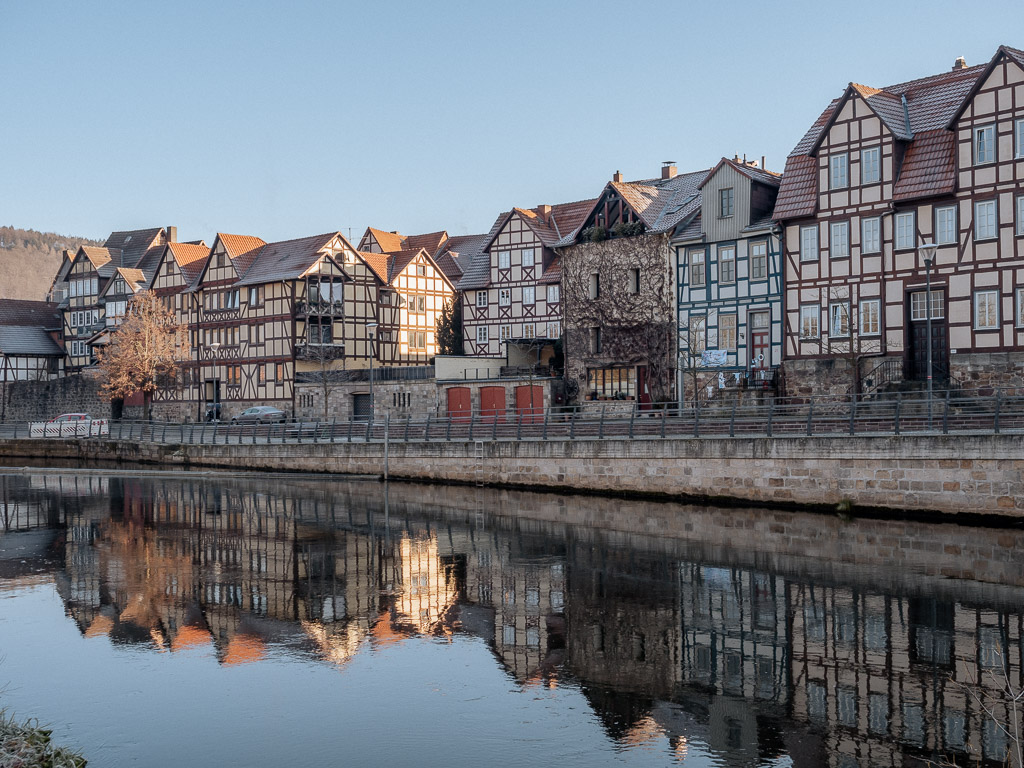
x=618, y=288
x=729, y=278
x=422, y=289
x=29, y=341
x=937, y=160
x=510, y=290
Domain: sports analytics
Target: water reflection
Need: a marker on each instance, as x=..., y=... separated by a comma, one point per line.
x=753, y=634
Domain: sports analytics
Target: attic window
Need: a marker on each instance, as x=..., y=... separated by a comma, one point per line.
x=129, y=237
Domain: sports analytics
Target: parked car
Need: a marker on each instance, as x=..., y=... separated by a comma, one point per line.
x=69, y=417
x=261, y=414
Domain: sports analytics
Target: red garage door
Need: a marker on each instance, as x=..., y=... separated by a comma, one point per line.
x=530, y=403
x=459, y=404
x=492, y=403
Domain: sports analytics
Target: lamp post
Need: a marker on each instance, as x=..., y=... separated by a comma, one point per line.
x=371, y=330
x=927, y=251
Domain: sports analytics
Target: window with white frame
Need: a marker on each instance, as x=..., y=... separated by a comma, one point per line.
x=697, y=269
x=839, y=239
x=1020, y=308
x=554, y=330
x=809, y=243
x=696, y=334
x=871, y=235
x=1018, y=138
x=595, y=340
x=481, y=334
x=504, y=332
x=906, y=236
x=986, y=310
x=945, y=225
x=1020, y=215
x=984, y=144
x=869, y=316
x=527, y=257
x=870, y=167
x=595, y=285
x=634, y=280
x=839, y=171
x=481, y=298
x=553, y=294
x=504, y=259
x=919, y=309
x=810, y=317
x=758, y=261
x=727, y=332
x=839, y=319
x=529, y=294
x=529, y=330
x=727, y=264
x=504, y=297
x=985, y=220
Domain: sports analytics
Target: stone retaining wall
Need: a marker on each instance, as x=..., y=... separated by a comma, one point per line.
x=960, y=474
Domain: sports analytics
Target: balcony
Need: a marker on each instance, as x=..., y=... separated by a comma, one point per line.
x=319, y=307
x=319, y=352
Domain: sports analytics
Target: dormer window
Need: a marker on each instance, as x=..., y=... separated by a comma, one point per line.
x=984, y=144
x=727, y=200
x=839, y=172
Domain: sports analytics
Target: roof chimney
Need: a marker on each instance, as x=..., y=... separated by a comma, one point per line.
x=617, y=178
x=960, y=63
x=172, y=234
x=668, y=169
x=544, y=211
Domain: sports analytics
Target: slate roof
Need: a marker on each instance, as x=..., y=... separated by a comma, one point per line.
x=456, y=254
x=477, y=274
x=553, y=226
x=28, y=340
x=931, y=103
x=133, y=244
x=23, y=312
x=400, y=260
x=285, y=260
x=754, y=173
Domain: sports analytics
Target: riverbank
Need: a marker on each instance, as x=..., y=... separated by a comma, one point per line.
x=964, y=475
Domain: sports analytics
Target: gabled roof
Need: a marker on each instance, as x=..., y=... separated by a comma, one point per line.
x=931, y=103
x=378, y=264
x=133, y=244
x=752, y=172
x=429, y=242
x=477, y=274
x=101, y=256
x=241, y=249
x=135, y=279
x=400, y=260
x=388, y=241
x=190, y=258
x=553, y=274
x=23, y=312
x=286, y=260
x=929, y=166
x=29, y=340
x=1003, y=51
x=456, y=254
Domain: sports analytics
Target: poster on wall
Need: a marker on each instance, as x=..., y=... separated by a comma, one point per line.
x=711, y=358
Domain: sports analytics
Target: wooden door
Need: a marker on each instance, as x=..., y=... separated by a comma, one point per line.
x=643, y=391
x=760, y=340
x=492, y=403
x=918, y=352
x=459, y=404
x=530, y=403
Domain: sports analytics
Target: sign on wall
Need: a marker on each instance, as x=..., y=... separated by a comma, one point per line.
x=59, y=429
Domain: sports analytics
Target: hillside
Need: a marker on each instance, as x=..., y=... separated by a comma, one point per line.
x=29, y=260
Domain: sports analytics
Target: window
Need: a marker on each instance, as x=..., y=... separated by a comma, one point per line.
x=554, y=330
x=727, y=332
x=726, y=200
x=906, y=236
x=696, y=335
x=553, y=297
x=634, y=280
x=919, y=310
x=529, y=294
x=986, y=310
x=319, y=331
x=1018, y=138
x=481, y=298
x=527, y=257
x=595, y=341
x=839, y=319
x=945, y=225
x=869, y=317
x=421, y=270
x=870, y=170
x=595, y=285
x=529, y=330
x=417, y=339
x=280, y=371
x=1020, y=307
x=839, y=239
x=810, y=316
x=504, y=332
x=697, y=269
x=809, y=243
x=1020, y=215
x=504, y=259
x=505, y=297
x=839, y=175
x=985, y=220
x=870, y=235
x=612, y=382
x=385, y=298
x=481, y=334
x=254, y=296
x=758, y=261
x=727, y=264
x=984, y=144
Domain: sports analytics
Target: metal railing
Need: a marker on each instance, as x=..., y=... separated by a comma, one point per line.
x=951, y=412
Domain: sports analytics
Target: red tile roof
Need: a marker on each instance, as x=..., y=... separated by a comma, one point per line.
x=553, y=274
x=377, y=262
x=190, y=258
x=243, y=249
x=929, y=166
x=429, y=242
x=388, y=241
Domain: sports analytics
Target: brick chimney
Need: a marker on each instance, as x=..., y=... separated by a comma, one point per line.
x=617, y=178
x=544, y=211
x=668, y=169
x=172, y=234
x=960, y=63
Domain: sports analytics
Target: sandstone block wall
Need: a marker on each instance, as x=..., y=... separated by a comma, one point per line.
x=22, y=401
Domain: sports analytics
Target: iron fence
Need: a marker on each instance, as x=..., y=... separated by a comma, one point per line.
x=948, y=412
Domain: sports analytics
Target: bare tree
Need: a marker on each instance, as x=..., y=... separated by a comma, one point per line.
x=144, y=351
x=845, y=335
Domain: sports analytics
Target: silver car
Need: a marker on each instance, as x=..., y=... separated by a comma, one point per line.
x=261, y=414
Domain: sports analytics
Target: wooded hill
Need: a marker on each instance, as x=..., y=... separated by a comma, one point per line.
x=29, y=260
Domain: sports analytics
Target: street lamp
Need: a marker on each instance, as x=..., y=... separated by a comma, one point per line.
x=371, y=329
x=927, y=251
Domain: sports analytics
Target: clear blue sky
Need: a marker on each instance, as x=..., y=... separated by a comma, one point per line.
x=294, y=118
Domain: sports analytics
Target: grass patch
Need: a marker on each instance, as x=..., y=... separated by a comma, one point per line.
x=26, y=745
